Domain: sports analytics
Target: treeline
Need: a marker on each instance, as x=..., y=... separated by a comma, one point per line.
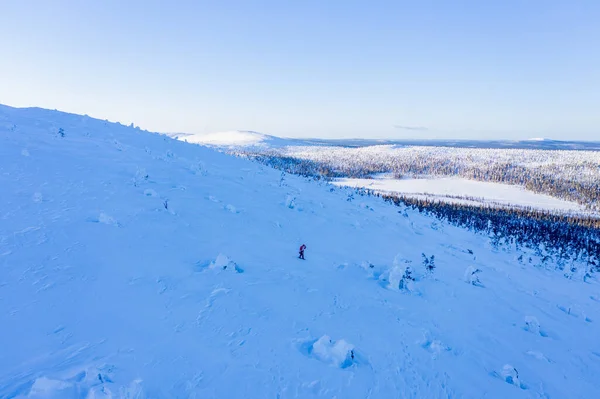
x=301, y=167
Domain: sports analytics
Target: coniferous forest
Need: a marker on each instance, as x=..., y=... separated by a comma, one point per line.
x=568, y=175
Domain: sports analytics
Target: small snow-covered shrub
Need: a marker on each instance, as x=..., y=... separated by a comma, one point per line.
x=290, y=202
x=198, y=168
x=282, y=180
x=106, y=219
x=510, y=375
x=433, y=346
x=399, y=276
x=373, y=271
x=429, y=263
x=532, y=324
x=472, y=275
x=368, y=266
x=394, y=275
x=407, y=277
x=223, y=262
x=141, y=176
x=338, y=353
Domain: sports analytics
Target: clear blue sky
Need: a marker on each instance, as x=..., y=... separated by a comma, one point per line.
x=465, y=69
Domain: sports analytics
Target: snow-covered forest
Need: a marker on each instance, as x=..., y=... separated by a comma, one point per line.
x=569, y=243
x=568, y=175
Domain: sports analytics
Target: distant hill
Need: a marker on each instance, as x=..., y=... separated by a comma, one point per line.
x=532, y=144
x=241, y=138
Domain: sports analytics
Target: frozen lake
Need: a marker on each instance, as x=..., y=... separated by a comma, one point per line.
x=448, y=188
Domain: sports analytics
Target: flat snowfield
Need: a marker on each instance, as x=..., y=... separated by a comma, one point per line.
x=133, y=265
x=447, y=189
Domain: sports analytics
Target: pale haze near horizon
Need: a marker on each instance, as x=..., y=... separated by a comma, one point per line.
x=335, y=69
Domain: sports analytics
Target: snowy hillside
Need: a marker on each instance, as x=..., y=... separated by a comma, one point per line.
x=134, y=265
x=234, y=138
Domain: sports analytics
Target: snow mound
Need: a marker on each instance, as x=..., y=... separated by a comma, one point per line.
x=223, y=262
x=337, y=353
x=511, y=375
x=471, y=275
x=107, y=219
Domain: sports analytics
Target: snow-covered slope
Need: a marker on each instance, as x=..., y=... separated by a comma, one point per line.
x=134, y=265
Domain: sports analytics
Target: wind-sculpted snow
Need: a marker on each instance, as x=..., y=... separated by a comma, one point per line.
x=137, y=266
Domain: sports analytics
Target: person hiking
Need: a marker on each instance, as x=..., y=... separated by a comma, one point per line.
x=302, y=248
